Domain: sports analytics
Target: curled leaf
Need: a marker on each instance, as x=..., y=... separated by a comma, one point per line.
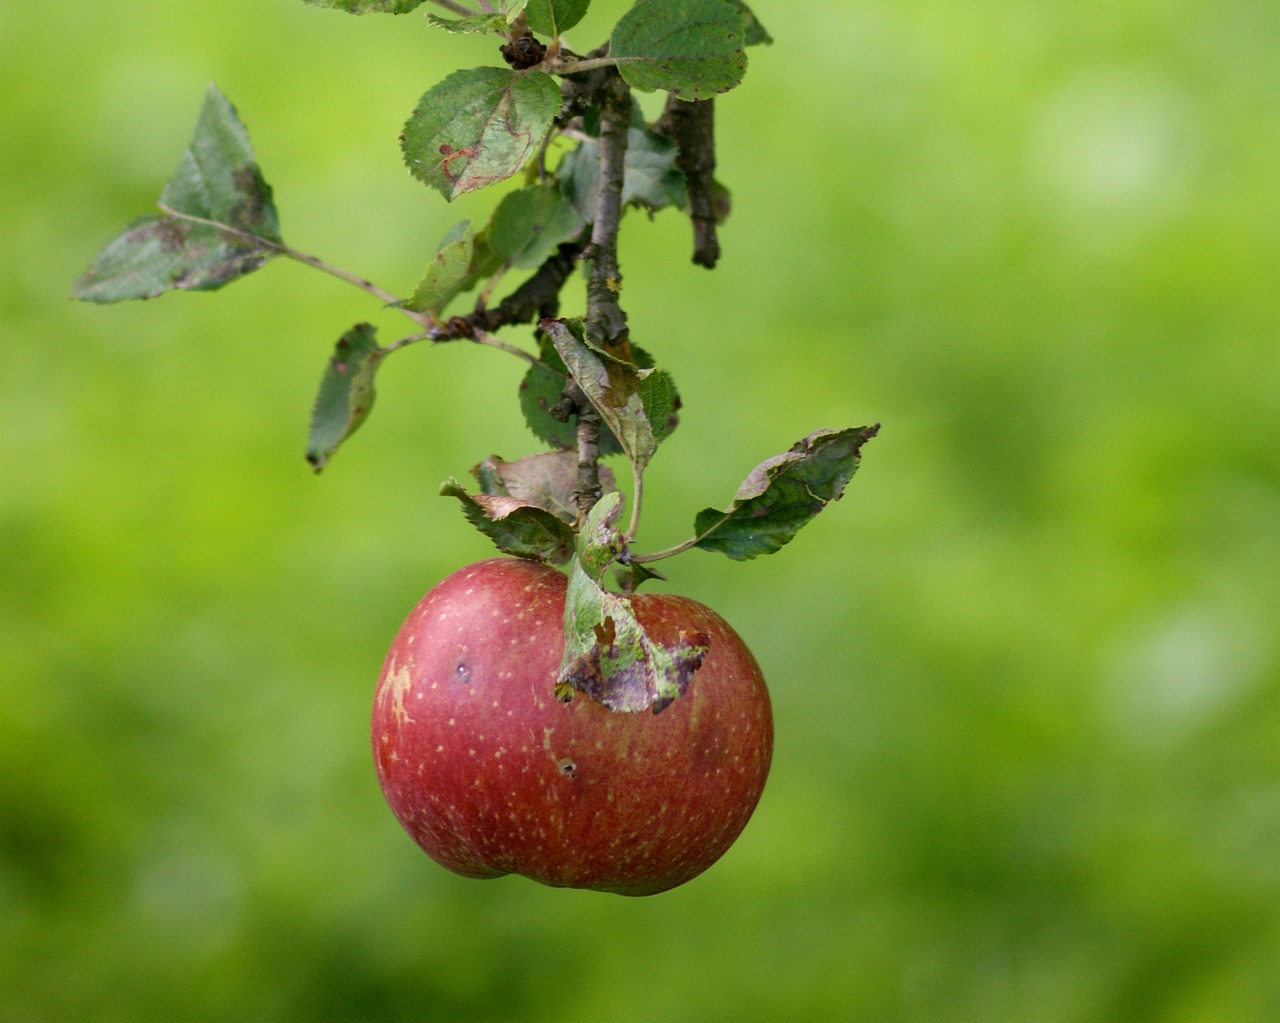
x=547, y=480
x=783, y=493
x=516, y=527
x=346, y=393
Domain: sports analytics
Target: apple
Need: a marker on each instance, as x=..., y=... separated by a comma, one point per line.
x=491, y=774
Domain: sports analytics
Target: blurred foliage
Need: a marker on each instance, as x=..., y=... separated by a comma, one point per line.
x=1025, y=674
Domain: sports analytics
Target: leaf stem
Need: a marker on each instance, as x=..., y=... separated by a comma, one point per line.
x=680, y=548
x=426, y=320
x=573, y=67
x=449, y=5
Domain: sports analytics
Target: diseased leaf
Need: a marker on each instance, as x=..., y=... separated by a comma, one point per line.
x=612, y=386
x=346, y=393
x=367, y=6
x=608, y=656
x=542, y=385
x=156, y=254
x=447, y=274
x=551, y=17
x=217, y=182
x=693, y=48
x=530, y=223
x=516, y=527
x=783, y=493
x=477, y=127
x=547, y=480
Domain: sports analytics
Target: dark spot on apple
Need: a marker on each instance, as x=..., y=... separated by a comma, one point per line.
x=461, y=672
x=567, y=767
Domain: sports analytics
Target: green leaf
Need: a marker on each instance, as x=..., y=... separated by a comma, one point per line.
x=613, y=387
x=346, y=393
x=754, y=33
x=367, y=6
x=498, y=20
x=539, y=391
x=472, y=23
x=217, y=182
x=530, y=223
x=783, y=493
x=516, y=527
x=477, y=127
x=547, y=480
x=551, y=17
x=693, y=48
x=608, y=655
x=448, y=273
x=649, y=180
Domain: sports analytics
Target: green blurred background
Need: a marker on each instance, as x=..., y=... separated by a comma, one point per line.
x=1025, y=675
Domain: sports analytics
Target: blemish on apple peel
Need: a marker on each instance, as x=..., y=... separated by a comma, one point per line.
x=397, y=686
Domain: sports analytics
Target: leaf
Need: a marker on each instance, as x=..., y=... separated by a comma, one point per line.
x=754, y=33
x=543, y=383
x=530, y=223
x=783, y=493
x=477, y=127
x=448, y=273
x=539, y=391
x=472, y=23
x=516, y=527
x=218, y=183
x=497, y=20
x=650, y=178
x=346, y=393
x=551, y=17
x=156, y=254
x=608, y=656
x=693, y=48
x=547, y=480
x=612, y=386
x=367, y=6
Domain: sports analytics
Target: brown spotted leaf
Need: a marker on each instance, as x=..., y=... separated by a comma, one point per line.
x=477, y=127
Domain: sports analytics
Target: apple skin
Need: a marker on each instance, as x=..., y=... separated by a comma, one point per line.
x=491, y=774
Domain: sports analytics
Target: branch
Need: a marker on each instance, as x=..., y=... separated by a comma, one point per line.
x=691, y=125
x=536, y=298
x=606, y=323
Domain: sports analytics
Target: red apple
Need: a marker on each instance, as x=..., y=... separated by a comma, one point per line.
x=492, y=775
